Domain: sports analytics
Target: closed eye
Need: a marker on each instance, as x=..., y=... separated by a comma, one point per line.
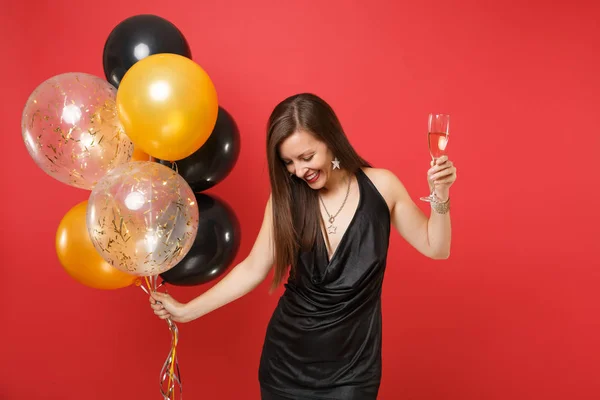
x=305, y=159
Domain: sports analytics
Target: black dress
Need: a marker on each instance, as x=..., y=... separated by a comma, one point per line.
x=324, y=338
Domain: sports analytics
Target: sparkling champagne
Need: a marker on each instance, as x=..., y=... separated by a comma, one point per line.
x=437, y=144
x=437, y=137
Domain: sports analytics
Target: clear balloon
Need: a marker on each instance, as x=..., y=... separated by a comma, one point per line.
x=71, y=129
x=142, y=218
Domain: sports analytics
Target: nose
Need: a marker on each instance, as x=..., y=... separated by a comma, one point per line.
x=298, y=170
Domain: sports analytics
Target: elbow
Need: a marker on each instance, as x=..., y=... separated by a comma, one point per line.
x=257, y=271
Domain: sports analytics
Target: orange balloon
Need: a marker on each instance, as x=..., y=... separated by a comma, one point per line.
x=80, y=259
x=139, y=155
x=167, y=105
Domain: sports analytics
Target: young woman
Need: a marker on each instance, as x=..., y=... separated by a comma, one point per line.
x=327, y=222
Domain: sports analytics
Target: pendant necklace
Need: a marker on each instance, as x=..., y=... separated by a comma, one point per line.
x=332, y=228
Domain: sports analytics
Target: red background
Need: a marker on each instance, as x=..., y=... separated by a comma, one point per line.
x=513, y=314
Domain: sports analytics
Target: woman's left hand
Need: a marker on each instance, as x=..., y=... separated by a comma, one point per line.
x=441, y=176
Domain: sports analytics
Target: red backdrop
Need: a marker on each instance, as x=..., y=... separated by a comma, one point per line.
x=513, y=314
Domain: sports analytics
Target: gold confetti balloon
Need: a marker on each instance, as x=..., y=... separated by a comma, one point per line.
x=142, y=218
x=72, y=131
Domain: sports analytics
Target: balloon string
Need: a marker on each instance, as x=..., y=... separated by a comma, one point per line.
x=170, y=368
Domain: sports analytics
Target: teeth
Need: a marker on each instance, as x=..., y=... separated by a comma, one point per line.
x=311, y=176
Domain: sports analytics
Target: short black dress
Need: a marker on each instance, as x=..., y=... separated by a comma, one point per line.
x=324, y=338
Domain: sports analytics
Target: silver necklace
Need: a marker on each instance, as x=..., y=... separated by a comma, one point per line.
x=332, y=228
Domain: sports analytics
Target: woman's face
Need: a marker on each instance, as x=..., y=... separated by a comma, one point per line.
x=307, y=158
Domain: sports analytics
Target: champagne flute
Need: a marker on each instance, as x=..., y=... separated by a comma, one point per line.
x=438, y=133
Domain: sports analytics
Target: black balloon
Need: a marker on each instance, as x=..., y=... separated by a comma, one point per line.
x=136, y=38
x=212, y=162
x=215, y=247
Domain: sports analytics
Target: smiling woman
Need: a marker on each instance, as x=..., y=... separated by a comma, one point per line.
x=328, y=222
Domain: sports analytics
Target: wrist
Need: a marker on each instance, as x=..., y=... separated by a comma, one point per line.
x=442, y=198
x=187, y=313
x=441, y=207
x=442, y=195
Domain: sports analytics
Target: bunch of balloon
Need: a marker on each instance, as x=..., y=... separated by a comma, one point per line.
x=146, y=141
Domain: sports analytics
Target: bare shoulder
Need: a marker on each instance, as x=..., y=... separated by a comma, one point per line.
x=388, y=184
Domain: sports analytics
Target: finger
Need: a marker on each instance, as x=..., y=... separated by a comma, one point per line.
x=152, y=301
x=443, y=173
x=449, y=179
x=161, y=312
x=443, y=165
x=158, y=296
x=441, y=160
x=437, y=171
x=164, y=315
x=157, y=307
x=438, y=168
x=445, y=181
x=161, y=298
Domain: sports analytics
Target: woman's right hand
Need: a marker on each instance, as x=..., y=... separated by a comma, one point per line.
x=166, y=307
x=243, y=278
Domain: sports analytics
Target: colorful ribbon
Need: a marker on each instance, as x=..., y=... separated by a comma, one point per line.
x=170, y=377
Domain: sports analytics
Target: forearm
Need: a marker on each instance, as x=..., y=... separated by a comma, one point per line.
x=439, y=233
x=241, y=280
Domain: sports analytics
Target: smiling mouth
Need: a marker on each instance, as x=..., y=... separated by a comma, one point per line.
x=312, y=177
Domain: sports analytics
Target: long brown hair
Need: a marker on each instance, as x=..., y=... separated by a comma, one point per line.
x=296, y=214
